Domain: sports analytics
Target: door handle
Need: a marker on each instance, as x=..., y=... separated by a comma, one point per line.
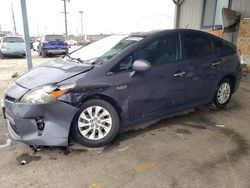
x=179, y=74
x=216, y=64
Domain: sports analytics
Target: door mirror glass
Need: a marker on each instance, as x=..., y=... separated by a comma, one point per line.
x=141, y=65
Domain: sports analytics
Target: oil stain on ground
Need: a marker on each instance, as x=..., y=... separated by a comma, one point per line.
x=232, y=156
x=27, y=158
x=183, y=131
x=68, y=151
x=243, y=147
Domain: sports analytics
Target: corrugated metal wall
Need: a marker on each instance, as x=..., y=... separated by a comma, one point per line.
x=191, y=12
x=242, y=6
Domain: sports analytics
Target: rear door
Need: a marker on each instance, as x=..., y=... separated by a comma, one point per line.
x=203, y=65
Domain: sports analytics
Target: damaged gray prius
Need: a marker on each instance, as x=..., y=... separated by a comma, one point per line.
x=119, y=81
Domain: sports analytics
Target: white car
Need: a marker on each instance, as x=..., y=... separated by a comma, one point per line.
x=71, y=42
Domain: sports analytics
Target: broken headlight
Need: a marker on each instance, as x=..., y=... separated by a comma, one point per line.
x=46, y=94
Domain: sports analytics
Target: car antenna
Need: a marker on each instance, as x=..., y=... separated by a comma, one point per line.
x=186, y=26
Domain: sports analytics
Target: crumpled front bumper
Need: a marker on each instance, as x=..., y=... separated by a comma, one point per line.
x=23, y=122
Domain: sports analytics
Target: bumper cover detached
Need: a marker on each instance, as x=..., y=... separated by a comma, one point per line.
x=24, y=122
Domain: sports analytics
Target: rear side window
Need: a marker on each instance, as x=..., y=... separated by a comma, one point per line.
x=228, y=50
x=161, y=51
x=13, y=40
x=196, y=45
x=217, y=45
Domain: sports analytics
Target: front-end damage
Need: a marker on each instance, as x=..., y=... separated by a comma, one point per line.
x=40, y=124
x=45, y=124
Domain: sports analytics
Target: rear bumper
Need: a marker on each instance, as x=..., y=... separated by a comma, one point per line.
x=12, y=52
x=23, y=122
x=61, y=51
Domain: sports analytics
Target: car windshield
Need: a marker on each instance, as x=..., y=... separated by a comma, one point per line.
x=103, y=50
x=13, y=40
x=54, y=37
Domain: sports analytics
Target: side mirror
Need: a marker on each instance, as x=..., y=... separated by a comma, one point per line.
x=141, y=65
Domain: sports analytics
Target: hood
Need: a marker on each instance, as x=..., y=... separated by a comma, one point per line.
x=52, y=72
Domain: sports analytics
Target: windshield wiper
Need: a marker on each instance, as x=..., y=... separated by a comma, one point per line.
x=79, y=60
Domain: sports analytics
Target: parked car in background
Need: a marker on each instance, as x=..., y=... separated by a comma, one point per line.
x=12, y=46
x=71, y=42
x=36, y=44
x=119, y=81
x=53, y=45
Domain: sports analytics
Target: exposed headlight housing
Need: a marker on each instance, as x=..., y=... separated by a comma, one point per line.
x=46, y=94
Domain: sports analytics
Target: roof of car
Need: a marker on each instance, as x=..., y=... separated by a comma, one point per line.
x=12, y=37
x=146, y=34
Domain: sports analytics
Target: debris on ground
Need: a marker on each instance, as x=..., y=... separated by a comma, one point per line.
x=15, y=75
x=23, y=162
x=221, y=126
x=123, y=149
x=180, y=136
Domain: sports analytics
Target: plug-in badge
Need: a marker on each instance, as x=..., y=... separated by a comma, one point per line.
x=121, y=87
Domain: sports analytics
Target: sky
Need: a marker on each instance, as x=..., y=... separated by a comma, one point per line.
x=100, y=16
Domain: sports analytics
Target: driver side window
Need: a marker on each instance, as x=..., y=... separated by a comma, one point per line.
x=161, y=51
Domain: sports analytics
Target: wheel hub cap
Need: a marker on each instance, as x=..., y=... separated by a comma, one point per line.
x=94, y=123
x=224, y=92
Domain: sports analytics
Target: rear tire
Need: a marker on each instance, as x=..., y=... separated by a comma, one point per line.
x=95, y=124
x=223, y=93
x=43, y=54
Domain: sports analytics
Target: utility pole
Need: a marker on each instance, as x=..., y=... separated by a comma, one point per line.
x=65, y=16
x=177, y=13
x=81, y=12
x=13, y=17
x=26, y=33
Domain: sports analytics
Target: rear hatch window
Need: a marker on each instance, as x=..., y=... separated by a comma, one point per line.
x=13, y=40
x=54, y=37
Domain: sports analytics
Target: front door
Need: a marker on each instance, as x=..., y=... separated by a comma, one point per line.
x=161, y=87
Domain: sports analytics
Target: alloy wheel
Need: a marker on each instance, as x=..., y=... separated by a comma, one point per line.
x=94, y=123
x=223, y=93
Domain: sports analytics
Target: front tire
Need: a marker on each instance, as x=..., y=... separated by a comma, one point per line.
x=96, y=124
x=223, y=93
